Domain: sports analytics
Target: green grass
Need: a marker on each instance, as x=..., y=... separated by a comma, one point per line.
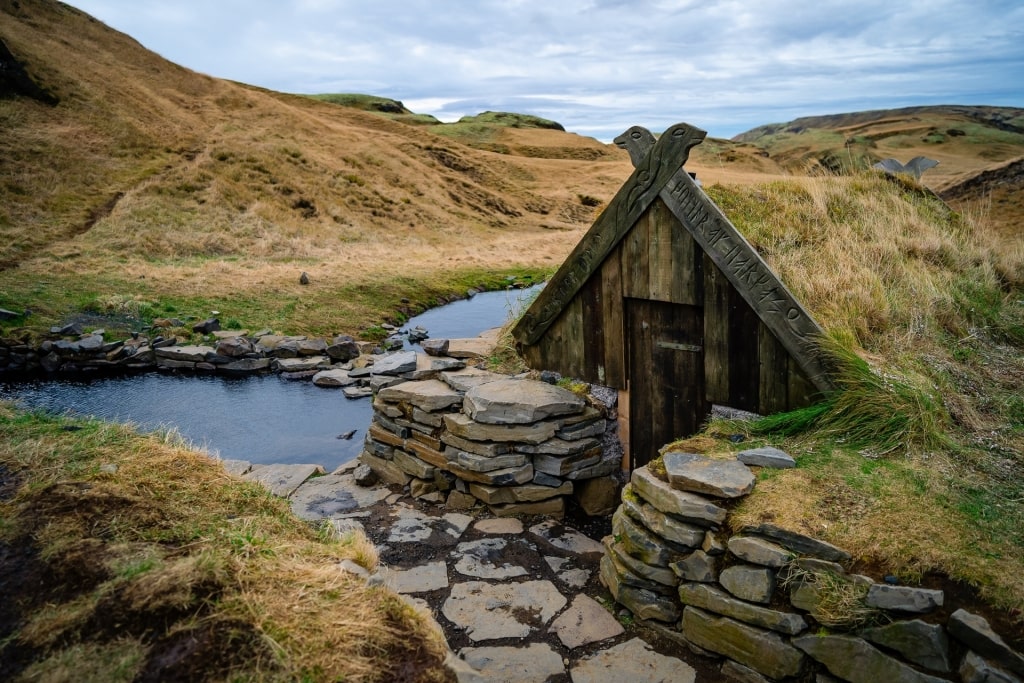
x=511, y=120
x=347, y=307
x=874, y=412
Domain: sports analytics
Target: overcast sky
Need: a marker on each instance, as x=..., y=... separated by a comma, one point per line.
x=600, y=66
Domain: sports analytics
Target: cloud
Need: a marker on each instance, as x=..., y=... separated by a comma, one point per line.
x=598, y=66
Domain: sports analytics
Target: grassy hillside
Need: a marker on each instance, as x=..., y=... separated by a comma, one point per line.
x=128, y=557
x=973, y=145
x=152, y=182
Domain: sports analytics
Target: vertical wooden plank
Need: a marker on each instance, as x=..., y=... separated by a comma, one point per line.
x=716, y=334
x=641, y=372
x=593, y=338
x=612, y=303
x=686, y=394
x=624, y=428
x=744, y=372
x=686, y=270
x=635, y=271
x=774, y=372
x=660, y=252
x=572, y=340
x=801, y=391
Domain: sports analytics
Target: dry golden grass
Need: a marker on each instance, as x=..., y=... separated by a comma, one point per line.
x=150, y=180
x=872, y=264
x=174, y=543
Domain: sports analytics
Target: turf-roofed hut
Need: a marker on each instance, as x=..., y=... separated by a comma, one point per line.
x=664, y=300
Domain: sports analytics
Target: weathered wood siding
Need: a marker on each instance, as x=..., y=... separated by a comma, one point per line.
x=745, y=366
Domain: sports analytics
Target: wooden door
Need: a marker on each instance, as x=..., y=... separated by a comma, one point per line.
x=666, y=375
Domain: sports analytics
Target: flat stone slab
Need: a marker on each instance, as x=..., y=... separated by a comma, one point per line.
x=475, y=349
x=659, y=523
x=674, y=502
x=633, y=661
x=333, y=495
x=852, y=659
x=921, y=643
x=467, y=428
x=483, y=559
x=428, y=367
x=429, y=395
x=333, y=378
x=711, y=599
x=534, y=663
x=746, y=582
x=487, y=611
x=283, y=480
x=302, y=364
x=236, y=467
x=395, y=363
x=519, y=402
x=191, y=353
x=507, y=525
x=904, y=598
x=464, y=380
x=566, y=538
x=412, y=526
x=573, y=577
x=802, y=545
x=701, y=474
x=760, y=551
x=423, y=579
x=767, y=456
x=586, y=621
x=974, y=631
x=764, y=651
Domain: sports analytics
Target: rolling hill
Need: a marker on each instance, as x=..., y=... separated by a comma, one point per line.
x=128, y=152
x=979, y=150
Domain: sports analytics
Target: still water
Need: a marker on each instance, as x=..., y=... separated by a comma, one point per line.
x=263, y=419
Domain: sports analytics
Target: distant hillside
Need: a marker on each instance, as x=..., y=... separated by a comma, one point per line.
x=964, y=139
x=1002, y=118
x=968, y=141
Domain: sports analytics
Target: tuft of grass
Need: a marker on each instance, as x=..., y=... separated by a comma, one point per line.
x=877, y=413
x=839, y=599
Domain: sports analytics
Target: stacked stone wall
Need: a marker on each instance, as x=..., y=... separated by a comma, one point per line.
x=460, y=435
x=776, y=605
x=227, y=352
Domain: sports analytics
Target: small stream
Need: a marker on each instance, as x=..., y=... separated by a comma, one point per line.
x=263, y=419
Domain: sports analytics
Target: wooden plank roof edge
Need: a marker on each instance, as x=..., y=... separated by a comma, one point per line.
x=660, y=163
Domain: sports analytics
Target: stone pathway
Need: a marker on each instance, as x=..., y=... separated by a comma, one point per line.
x=519, y=600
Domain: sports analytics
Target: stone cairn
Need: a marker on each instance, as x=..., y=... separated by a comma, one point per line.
x=753, y=598
x=458, y=435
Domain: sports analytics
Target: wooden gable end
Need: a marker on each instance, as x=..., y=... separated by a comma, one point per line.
x=744, y=365
x=665, y=300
